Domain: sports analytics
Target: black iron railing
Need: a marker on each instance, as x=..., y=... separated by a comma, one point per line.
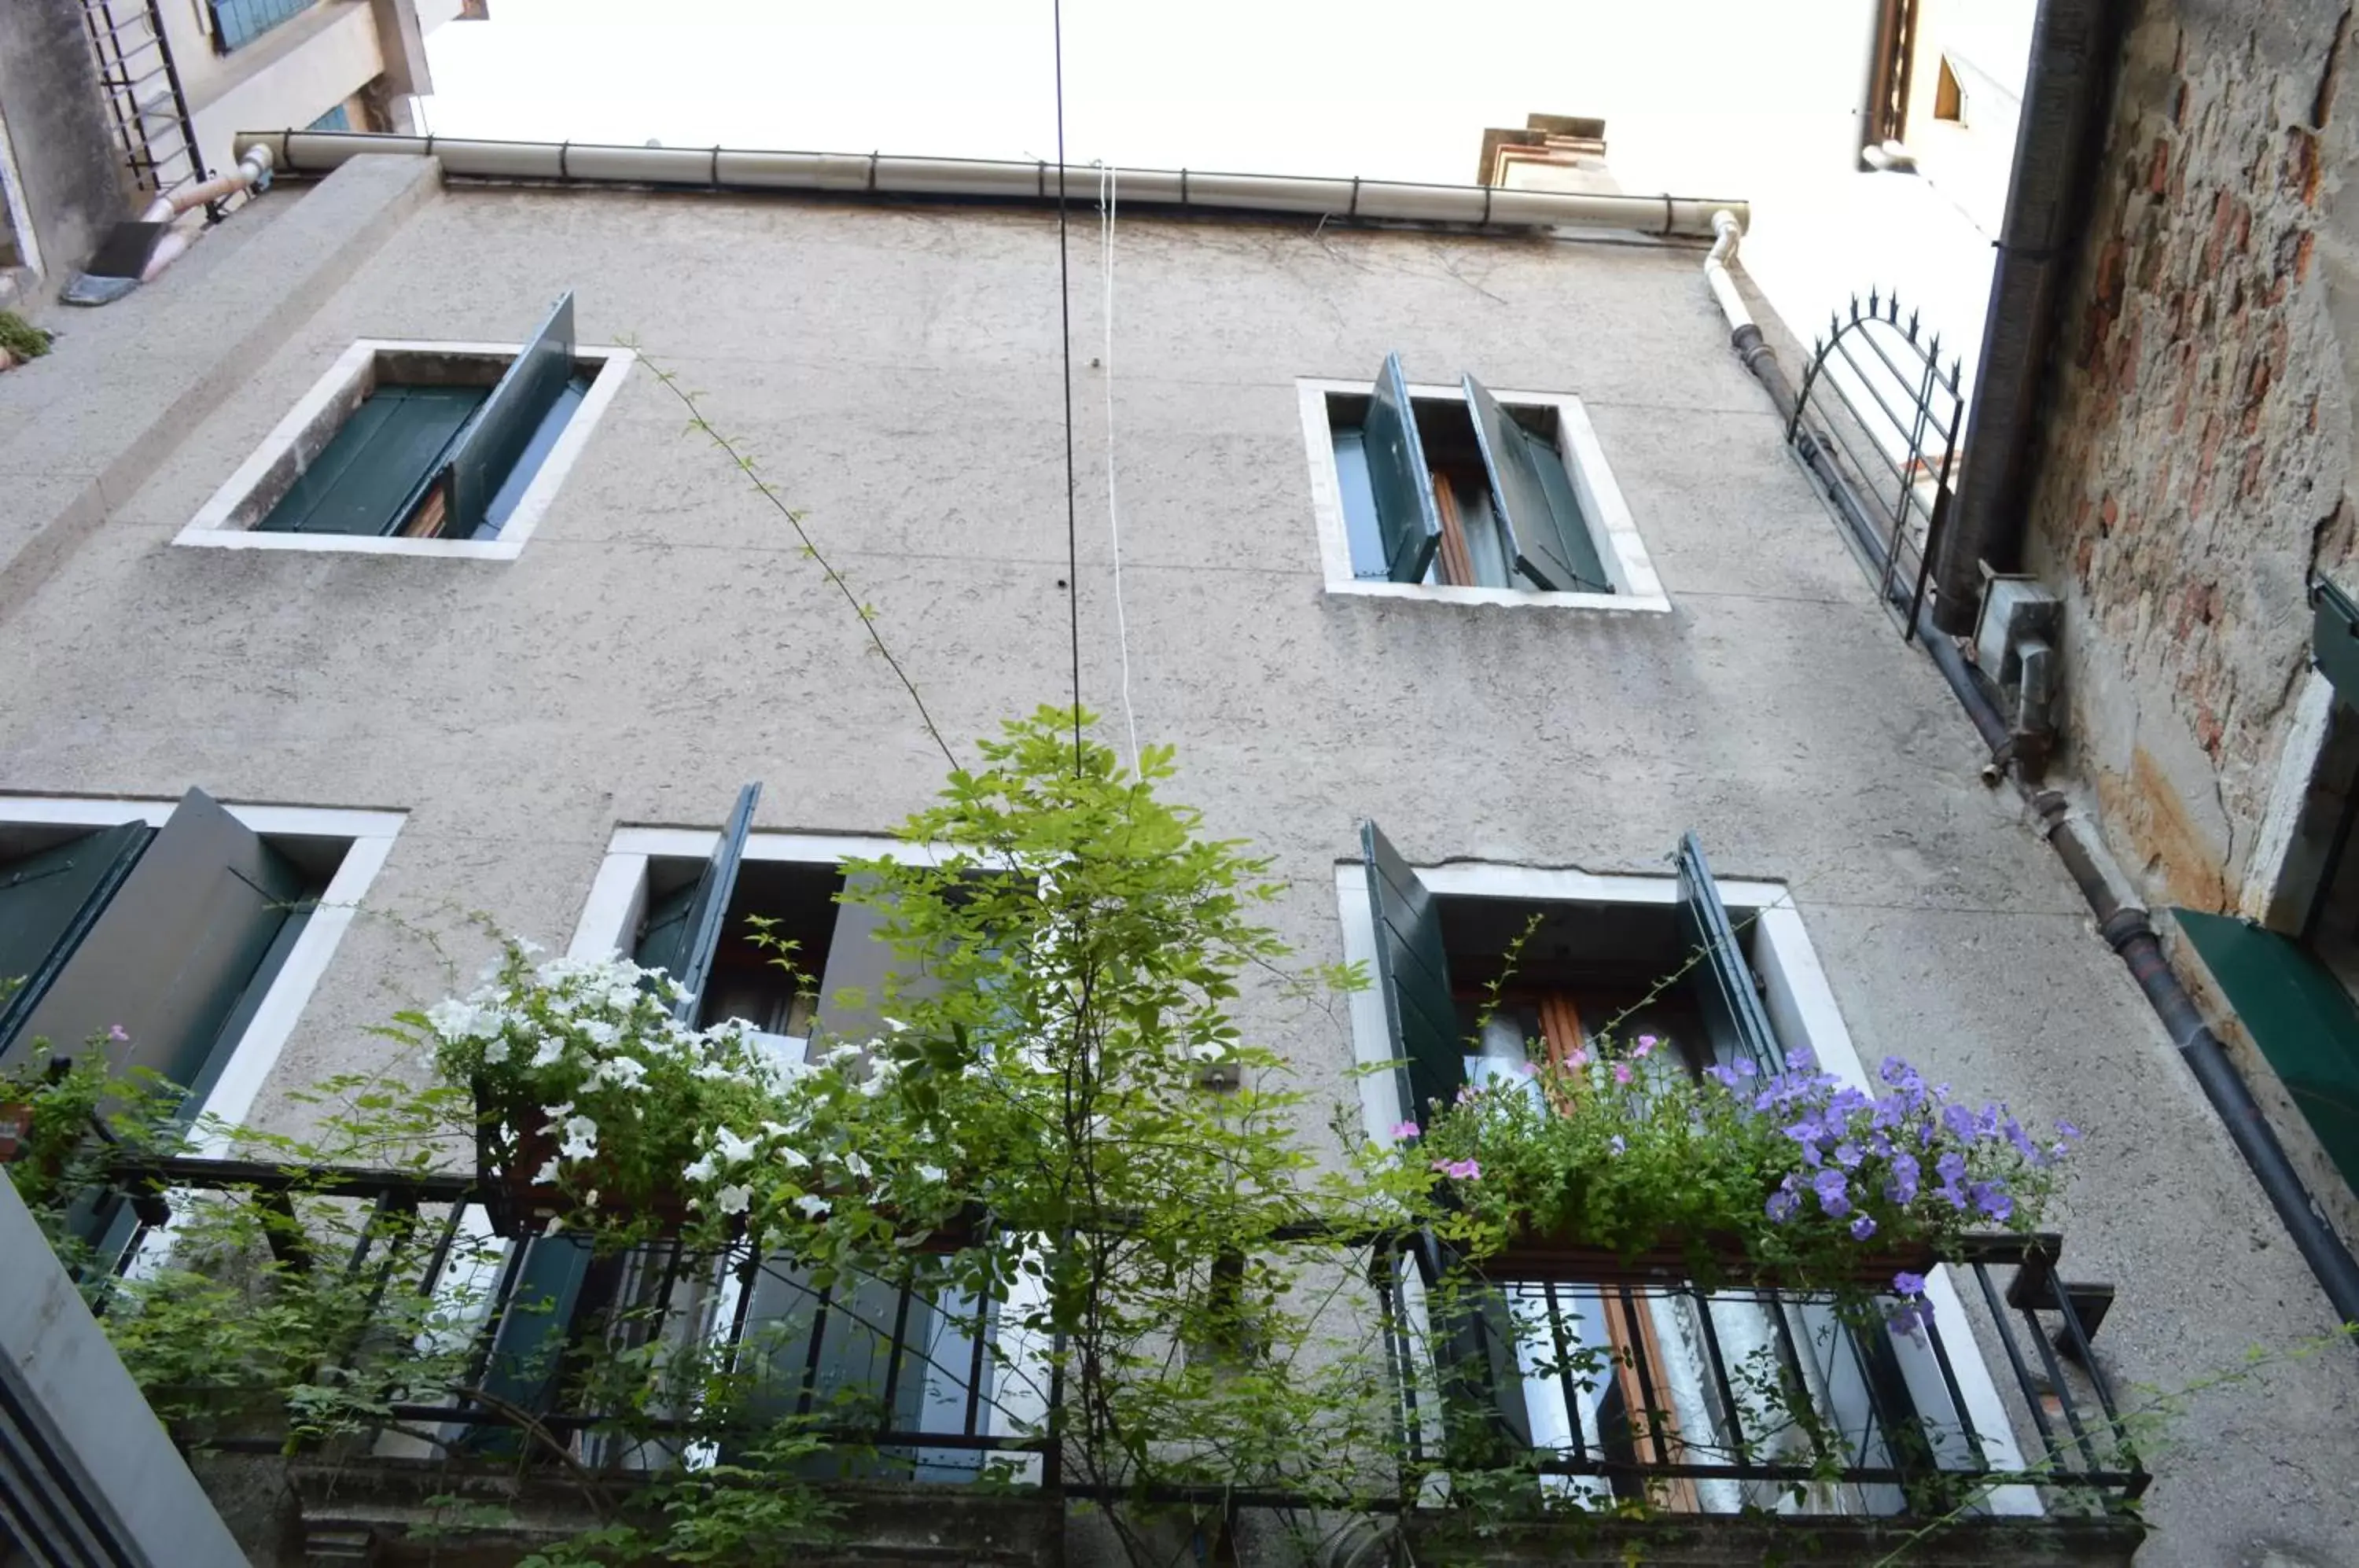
x=1717, y=1400
x=910, y=1377
x=1623, y=1386
x=1878, y=401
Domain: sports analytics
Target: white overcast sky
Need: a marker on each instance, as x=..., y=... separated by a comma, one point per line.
x=1699, y=94
x=1754, y=99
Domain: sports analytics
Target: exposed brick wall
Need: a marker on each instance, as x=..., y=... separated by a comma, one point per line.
x=2195, y=448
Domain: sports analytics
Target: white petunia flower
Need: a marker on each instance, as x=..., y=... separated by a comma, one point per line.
x=729, y=1146
x=733, y=1199
x=934, y=1173
x=837, y=1055
x=580, y=1137
x=856, y=1166
x=812, y=1207
x=794, y=1156
x=701, y=1170
x=496, y=1051
x=549, y=1051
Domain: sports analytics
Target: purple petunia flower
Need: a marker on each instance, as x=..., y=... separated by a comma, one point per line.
x=1907, y=1284
x=1459, y=1170
x=1783, y=1203
x=1862, y=1227
x=1407, y=1129
x=1992, y=1198
x=1902, y=1188
x=2067, y=1131
x=1745, y=1069
x=1950, y=1167
x=1646, y=1045
x=1848, y=1156
x=1835, y=1193
x=1617, y=1145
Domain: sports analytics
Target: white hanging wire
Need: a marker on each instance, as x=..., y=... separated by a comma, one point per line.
x=1107, y=194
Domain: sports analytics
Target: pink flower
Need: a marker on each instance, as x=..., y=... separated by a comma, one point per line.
x=1621, y=1073
x=1406, y=1129
x=1459, y=1170
x=1576, y=1057
x=1645, y=1046
x=1531, y=1069
x=117, y=1033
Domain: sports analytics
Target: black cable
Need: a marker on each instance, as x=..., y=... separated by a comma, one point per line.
x=1065, y=318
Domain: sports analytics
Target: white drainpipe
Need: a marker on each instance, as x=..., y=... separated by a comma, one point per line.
x=1726, y=230
x=254, y=166
x=309, y=152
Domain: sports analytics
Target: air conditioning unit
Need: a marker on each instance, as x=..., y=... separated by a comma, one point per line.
x=2014, y=645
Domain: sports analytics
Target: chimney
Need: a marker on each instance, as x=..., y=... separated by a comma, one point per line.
x=1552, y=152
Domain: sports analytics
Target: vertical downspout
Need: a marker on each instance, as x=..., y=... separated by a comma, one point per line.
x=2057, y=150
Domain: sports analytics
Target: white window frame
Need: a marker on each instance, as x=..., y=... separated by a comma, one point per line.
x=328, y=402
x=617, y=901
x=368, y=840
x=1611, y=528
x=1801, y=1007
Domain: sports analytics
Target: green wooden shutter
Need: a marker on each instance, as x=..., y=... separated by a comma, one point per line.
x=2334, y=638
x=526, y=1363
x=170, y=957
x=682, y=932
x=1413, y=977
x=1406, y=515
x=49, y=901
x=504, y=426
x=369, y=478
x=1486, y=1422
x=1723, y=979
x=1553, y=551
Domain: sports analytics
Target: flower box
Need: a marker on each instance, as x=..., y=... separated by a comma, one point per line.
x=1562, y=1260
x=518, y=1205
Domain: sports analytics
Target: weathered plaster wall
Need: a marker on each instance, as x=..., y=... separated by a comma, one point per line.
x=75, y=183
x=659, y=641
x=2198, y=441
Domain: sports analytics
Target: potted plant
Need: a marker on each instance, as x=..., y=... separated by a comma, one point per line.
x=594, y=1104
x=1617, y=1165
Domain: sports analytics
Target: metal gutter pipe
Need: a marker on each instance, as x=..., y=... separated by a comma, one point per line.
x=727, y=169
x=2120, y=920
x=2056, y=154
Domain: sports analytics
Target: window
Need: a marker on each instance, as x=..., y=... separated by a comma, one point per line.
x=237, y=23
x=198, y=928
x=1949, y=97
x=1747, y=987
x=421, y=447
x=1457, y=493
x=680, y=899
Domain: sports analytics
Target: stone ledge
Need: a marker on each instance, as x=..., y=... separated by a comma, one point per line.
x=409, y=1513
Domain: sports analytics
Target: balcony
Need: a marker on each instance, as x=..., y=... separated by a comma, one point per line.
x=504, y=1397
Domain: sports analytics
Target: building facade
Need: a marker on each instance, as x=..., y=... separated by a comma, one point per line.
x=542, y=706
x=163, y=86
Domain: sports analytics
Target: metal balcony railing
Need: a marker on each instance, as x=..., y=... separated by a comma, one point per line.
x=1723, y=1400
x=1623, y=1386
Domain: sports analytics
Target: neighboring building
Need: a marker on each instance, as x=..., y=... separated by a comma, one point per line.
x=172, y=82
x=2187, y=490
x=536, y=695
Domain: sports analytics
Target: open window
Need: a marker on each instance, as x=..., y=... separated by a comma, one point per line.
x=421, y=447
x=1622, y=1383
x=1456, y=491
x=918, y=1356
x=166, y=936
